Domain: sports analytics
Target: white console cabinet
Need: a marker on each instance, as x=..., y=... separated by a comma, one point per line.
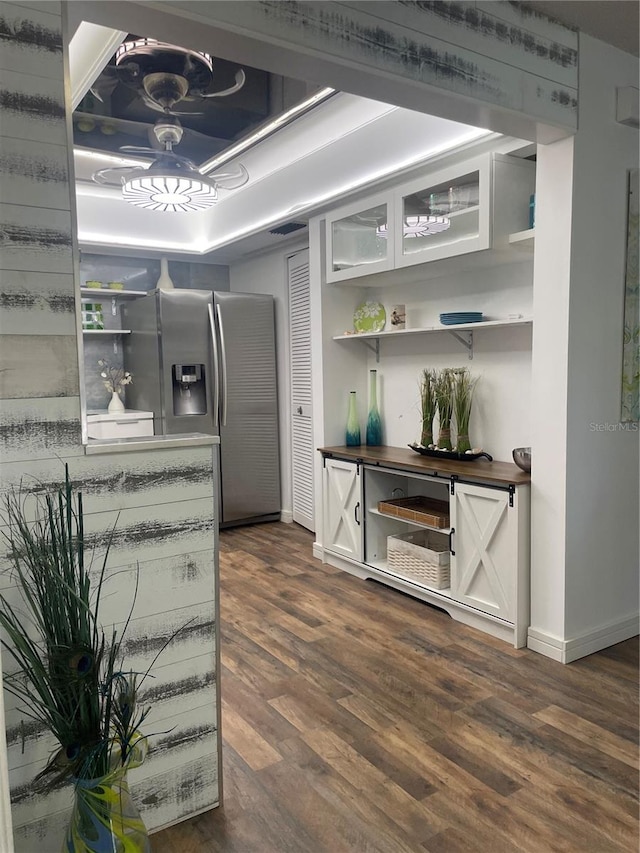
x=343, y=508
x=488, y=532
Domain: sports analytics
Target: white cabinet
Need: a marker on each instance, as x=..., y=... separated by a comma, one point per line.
x=470, y=207
x=488, y=534
x=343, y=508
x=358, y=239
x=488, y=527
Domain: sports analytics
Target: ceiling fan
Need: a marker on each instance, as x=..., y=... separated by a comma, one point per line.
x=167, y=75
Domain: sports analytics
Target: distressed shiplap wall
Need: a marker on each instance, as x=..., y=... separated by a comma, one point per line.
x=509, y=67
x=161, y=501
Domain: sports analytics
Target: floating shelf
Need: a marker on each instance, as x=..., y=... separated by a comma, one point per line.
x=523, y=240
x=106, y=331
x=466, y=338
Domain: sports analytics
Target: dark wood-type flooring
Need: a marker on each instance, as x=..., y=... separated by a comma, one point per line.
x=358, y=719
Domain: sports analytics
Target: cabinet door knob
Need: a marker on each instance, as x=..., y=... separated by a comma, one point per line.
x=451, y=532
x=355, y=512
x=299, y=410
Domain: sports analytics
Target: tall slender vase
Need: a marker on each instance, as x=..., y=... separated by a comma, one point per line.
x=353, y=424
x=164, y=282
x=374, y=423
x=104, y=818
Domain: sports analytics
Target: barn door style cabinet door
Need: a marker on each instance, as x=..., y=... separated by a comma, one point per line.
x=489, y=552
x=343, y=508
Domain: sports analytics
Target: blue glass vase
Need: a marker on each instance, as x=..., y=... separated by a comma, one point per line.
x=374, y=422
x=353, y=424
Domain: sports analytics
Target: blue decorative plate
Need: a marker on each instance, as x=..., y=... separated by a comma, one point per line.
x=452, y=318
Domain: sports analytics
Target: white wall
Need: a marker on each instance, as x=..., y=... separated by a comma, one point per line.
x=585, y=517
x=502, y=356
x=267, y=273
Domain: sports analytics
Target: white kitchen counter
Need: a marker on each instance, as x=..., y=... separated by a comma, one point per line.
x=149, y=442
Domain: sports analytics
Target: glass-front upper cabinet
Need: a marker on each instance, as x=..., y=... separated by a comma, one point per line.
x=359, y=239
x=445, y=215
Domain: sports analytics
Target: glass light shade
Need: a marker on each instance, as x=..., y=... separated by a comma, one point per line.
x=422, y=226
x=169, y=193
x=418, y=226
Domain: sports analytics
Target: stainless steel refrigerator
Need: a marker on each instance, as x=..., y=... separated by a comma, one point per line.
x=206, y=362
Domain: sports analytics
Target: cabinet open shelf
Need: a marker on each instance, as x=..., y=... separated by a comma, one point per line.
x=100, y=294
x=445, y=530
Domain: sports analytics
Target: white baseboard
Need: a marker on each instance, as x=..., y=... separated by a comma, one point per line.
x=286, y=515
x=575, y=648
x=317, y=550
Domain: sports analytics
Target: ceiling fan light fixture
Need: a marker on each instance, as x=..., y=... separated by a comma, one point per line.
x=169, y=193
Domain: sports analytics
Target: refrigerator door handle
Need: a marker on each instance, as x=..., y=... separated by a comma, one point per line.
x=223, y=349
x=216, y=368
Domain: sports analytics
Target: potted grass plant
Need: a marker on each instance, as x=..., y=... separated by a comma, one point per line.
x=427, y=405
x=464, y=388
x=67, y=674
x=444, y=387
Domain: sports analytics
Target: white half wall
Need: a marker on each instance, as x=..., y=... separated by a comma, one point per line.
x=267, y=273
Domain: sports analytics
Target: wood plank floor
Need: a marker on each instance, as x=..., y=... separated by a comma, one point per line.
x=359, y=720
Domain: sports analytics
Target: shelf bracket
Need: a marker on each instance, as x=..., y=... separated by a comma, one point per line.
x=114, y=310
x=373, y=348
x=466, y=339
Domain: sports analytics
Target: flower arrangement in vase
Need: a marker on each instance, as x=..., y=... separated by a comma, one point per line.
x=67, y=674
x=114, y=379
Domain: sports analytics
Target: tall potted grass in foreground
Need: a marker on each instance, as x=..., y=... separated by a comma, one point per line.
x=65, y=672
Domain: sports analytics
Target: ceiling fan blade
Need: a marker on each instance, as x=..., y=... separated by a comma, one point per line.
x=113, y=176
x=138, y=149
x=240, y=81
x=231, y=180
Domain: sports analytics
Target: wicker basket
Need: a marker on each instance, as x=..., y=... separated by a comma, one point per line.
x=422, y=556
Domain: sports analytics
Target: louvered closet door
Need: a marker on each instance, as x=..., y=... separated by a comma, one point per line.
x=301, y=407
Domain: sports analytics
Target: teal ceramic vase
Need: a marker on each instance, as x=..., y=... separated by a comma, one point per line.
x=353, y=424
x=374, y=423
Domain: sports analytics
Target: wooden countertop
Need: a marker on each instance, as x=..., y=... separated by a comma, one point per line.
x=408, y=460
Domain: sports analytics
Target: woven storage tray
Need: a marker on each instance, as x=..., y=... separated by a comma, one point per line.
x=423, y=556
x=419, y=508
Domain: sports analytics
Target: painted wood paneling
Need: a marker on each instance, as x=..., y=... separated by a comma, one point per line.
x=37, y=366
x=151, y=477
x=36, y=429
x=34, y=173
x=528, y=42
x=33, y=107
x=35, y=239
x=36, y=304
x=164, y=799
x=449, y=46
x=31, y=39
